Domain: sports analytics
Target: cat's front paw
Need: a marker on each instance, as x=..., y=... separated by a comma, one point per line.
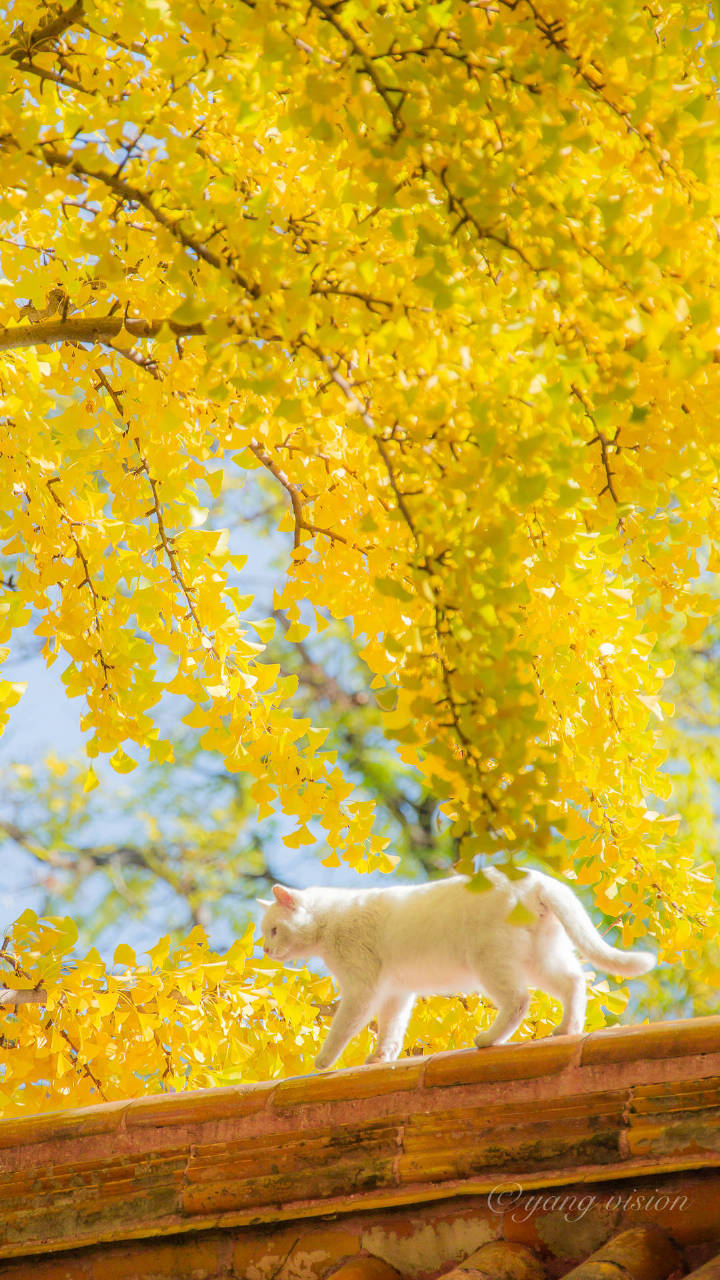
x=323, y=1061
x=484, y=1039
x=385, y=1055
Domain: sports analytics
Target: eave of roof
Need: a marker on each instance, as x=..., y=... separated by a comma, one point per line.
x=617, y=1103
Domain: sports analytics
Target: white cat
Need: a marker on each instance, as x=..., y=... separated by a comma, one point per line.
x=385, y=946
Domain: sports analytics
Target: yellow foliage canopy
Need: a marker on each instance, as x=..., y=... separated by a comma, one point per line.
x=188, y=1020
x=449, y=274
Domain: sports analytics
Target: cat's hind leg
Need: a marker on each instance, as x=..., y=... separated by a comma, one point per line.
x=512, y=1003
x=569, y=987
x=393, y=1017
x=556, y=968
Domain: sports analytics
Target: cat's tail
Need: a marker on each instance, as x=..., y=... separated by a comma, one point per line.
x=577, y=923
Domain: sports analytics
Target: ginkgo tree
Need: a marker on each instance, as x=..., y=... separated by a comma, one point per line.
x=447, y=275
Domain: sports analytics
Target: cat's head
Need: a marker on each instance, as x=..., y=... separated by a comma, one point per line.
x=287, y=926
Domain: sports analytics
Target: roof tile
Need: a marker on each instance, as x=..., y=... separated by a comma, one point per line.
x=656, y=1040
x=524, y=1061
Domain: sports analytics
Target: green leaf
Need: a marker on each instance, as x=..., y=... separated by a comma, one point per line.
x=521, y=915
x=480, y=883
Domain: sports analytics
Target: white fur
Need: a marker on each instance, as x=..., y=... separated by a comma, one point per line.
x=385, y=946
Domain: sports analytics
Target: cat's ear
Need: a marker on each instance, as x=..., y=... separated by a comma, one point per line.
x=263, y=902
x=285, y=897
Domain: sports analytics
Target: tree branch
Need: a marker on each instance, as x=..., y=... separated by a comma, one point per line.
x=10, y=995
x=87, y=580
x=44, y=74
x=366, y=65
x=600, y=439
x=350, y=395
x=135, y=195
x=20, y=49
x=294, y=492
x=90, y=329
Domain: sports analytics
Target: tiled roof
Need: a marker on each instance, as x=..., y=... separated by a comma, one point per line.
x=476, y=1149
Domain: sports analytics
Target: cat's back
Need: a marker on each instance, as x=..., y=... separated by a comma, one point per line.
x=452, y=891
x=454, y=897
x=436, y=911
x=428, y=933
x=431, y=910
x=422, y=938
